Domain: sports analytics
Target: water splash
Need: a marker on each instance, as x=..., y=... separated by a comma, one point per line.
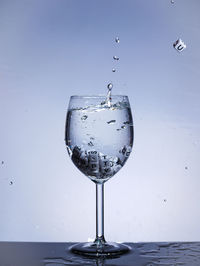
x=108, y=97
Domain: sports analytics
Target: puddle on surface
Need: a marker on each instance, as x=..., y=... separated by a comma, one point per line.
x=142, y=254
x=172, y=254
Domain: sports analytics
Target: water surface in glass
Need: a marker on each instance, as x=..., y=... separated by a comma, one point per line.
x=99, y=136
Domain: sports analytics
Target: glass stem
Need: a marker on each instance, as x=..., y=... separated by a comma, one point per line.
x=100, y=240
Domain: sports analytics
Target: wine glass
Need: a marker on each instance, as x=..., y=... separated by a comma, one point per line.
x=99, y=140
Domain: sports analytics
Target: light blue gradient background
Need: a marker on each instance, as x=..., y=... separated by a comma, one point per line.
x=52, y=49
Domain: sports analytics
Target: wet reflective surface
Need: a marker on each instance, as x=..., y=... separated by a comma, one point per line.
x=58, y=254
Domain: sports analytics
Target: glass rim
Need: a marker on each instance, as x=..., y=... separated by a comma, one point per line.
x=97, y=96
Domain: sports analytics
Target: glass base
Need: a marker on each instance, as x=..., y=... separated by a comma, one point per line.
x=92, y=249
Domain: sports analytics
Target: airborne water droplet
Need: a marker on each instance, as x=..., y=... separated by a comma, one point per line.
x=11, y=182
x=117, y=39
x=172, y=1
x=115, y=57
x=113, y=70
x=110, y=86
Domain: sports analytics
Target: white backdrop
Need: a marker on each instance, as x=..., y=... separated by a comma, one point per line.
x=52, y=49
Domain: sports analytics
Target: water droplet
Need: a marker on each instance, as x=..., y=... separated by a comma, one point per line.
x=115, y=57
x=84, y=117
x=11, y=182
x=2, y=162
x=172, y=1
x=110, y=86
x=111, y=122
x=186, y=167
x=165, y=200
x=113, y=70
x=123, y=127
x=117, y=39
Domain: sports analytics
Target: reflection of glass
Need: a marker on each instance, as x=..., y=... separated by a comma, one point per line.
x=99, y=139
x=97, y=261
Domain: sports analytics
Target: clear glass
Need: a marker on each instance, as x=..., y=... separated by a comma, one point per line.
x=99, y=140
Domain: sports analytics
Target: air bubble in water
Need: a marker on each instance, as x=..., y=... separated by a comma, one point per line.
x=126, y=123
x=111, y=122
x=90, y=144
x=110, y=86
x=113, y=70
x=117, y=39
x=84, y=117
x=115, y=57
